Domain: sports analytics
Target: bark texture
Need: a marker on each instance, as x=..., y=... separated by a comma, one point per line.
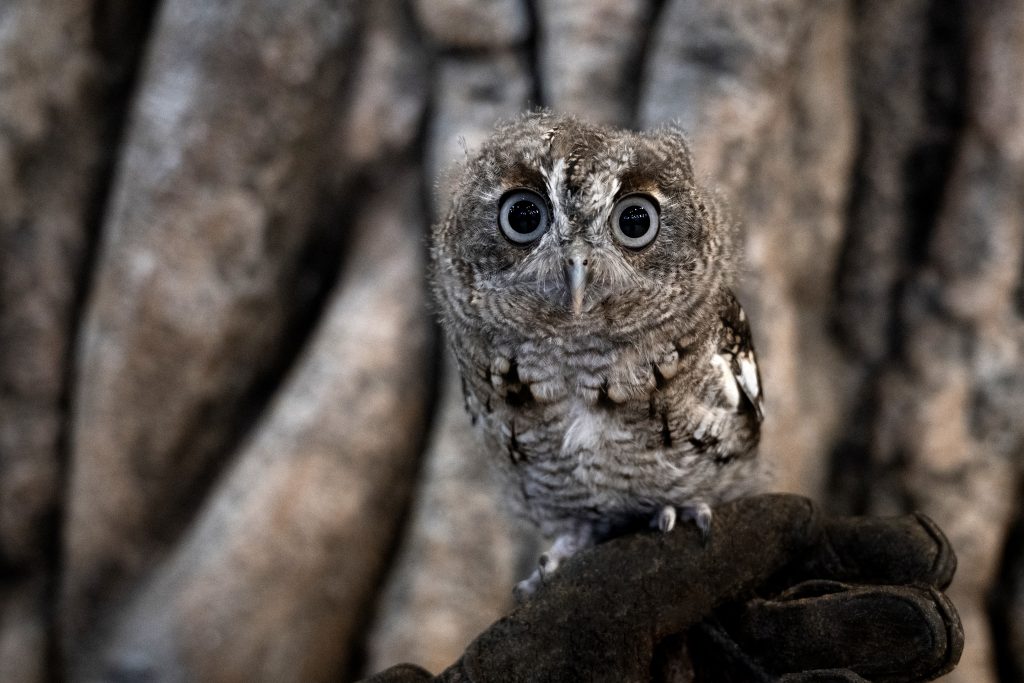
x=230, y=445
x=211, y=205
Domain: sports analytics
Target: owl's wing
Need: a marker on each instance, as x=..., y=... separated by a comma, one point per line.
x=738, y=357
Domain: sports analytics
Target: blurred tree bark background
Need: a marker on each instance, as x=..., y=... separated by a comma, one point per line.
x=231, y=445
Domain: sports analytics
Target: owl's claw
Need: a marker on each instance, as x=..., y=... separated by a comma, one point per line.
x=666, y=518
x=546, y=565
x=698, y=513
x=564, y=547
x=528, y=586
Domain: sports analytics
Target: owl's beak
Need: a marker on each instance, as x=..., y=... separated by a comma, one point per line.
x=576, y=278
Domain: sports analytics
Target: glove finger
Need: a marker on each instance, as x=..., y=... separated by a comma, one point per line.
x=900, y=550
x=824, y=676
x=401, y=673
x=717, y=658
x=883, y=633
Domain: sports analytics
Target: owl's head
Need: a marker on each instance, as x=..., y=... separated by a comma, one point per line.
x=558, y=226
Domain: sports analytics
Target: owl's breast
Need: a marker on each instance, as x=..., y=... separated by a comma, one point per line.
x=548, y=396
x=582, y=427
x=589, y=370
x=563, y=410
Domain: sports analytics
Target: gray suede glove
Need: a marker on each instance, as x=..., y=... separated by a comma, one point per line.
x=778, y=593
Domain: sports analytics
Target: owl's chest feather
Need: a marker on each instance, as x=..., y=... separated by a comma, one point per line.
x=564, y=400
x=586, y=370
x=587, y=430
x=581, y=426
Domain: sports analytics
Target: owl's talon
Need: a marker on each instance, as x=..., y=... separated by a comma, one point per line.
x=527, y=587
x=667, y=518
x=564, y=547
x=547, y=566
x=699, y=514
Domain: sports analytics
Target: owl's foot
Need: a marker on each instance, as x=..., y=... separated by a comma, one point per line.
x=666, y=519
x=698, y=513
x=564, y=547
x=528, y=586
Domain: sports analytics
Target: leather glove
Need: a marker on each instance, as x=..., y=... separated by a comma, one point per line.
x=779, y=592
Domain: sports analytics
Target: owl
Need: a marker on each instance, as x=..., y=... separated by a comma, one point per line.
x=583, y=276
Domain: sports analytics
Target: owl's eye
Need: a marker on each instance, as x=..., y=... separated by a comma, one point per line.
x=635, y=221
x=523, y=216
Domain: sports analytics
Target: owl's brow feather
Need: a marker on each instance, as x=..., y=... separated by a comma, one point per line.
x=554, y=180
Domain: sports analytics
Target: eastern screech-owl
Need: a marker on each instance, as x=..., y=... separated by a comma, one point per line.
x=583, y=277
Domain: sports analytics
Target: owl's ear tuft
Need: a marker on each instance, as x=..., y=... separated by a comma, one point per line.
x=673, y=141
x=673, y=129
x=524, y=123
x=446, y=183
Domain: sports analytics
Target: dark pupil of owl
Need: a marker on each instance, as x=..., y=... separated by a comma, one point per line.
x=524, y=216
x=634, y=221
